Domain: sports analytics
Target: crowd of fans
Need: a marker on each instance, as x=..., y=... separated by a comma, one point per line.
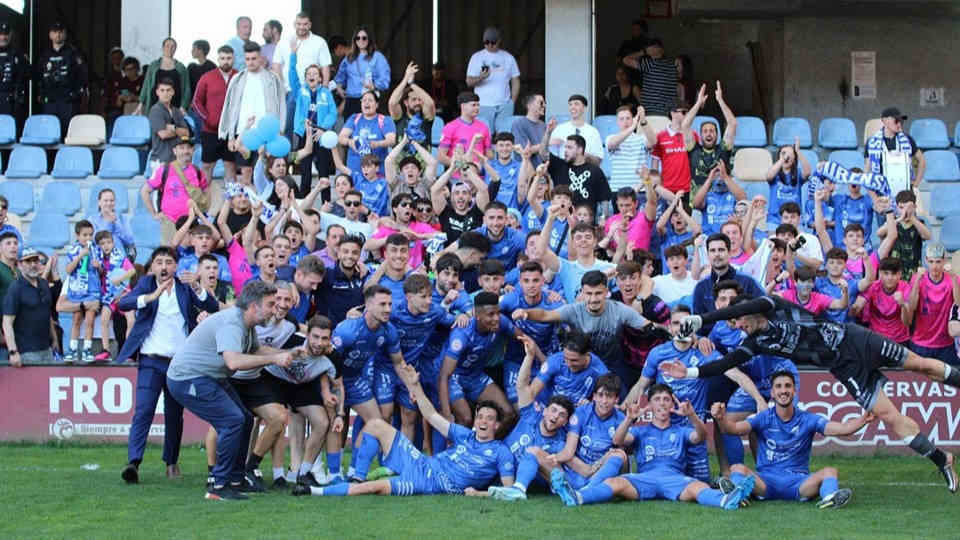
x=525, y=220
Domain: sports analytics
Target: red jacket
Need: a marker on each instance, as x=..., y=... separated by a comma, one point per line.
x=209, y=97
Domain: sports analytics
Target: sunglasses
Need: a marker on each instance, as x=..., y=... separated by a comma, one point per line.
x=424, y=209
x=3, y=207
x=488, y=42
x=360, y=38
x=404, y=204
x=351, y=203
x=681, y=111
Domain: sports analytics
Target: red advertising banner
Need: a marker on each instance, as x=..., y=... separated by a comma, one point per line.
x=97, y=403
x=79, y=403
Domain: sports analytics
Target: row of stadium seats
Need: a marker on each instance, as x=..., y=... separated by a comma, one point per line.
x=84, y=130
x=30, y=162
x=833, y=133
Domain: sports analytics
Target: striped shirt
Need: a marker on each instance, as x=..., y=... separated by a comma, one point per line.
x=625, y=159
x=659, y=85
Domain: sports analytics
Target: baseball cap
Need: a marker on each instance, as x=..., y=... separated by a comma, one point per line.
x=4, y=27
x=184, y=139
x=655, y=42
x=491, y=34
x=894, y=112
x=57, y=25
x=935, y=250
x=31, y=253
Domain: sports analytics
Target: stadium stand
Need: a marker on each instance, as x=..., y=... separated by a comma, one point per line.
x=8, y=129
x=848, y=158
x=86, y=130
x=119, y=162
x=73, y=162
x=27, y=162
x=49, y=230
x=61, y=197
x=19, y=195
x=837, y=134
x=786, y=130
x=130, y=131
x=751, y=164
x=751, y=132
x=41, y=130
x=942, y=166
x=930, y=133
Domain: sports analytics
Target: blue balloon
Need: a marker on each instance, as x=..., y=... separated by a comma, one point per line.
x=279, y=146
x=252, y=139
x=329, y=139
x=269, y=127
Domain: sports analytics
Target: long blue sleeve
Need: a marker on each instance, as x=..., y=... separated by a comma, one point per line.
x=292, y=76
x=381, y=71
x=328, y=117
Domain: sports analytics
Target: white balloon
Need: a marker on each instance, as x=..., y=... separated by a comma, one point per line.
x=329, y=139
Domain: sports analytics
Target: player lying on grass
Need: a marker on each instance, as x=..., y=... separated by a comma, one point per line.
x=661, y=449
x=853, y=354
x=474, y=459
x=785, y=438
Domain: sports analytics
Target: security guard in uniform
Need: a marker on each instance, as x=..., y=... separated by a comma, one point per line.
x=61, y=77
x=14, y=74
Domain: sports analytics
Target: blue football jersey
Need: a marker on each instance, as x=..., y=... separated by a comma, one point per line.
x=471, y=463
x=661, y=450
x=596, y=434
x=559, y=379
x=527, y=433
x=785, y=446
x=357, y=344
x=692, y=390
x=471, y=349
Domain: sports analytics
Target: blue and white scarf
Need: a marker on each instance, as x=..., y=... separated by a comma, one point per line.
x=876, y=148
x=839, y=175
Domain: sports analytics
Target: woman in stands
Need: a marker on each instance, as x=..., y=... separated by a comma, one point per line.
x=622, y=92
x=363, y=69
x=107, y=219
x=786, y=177
x=166, y=67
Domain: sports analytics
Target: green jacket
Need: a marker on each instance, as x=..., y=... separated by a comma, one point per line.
x=148, y=97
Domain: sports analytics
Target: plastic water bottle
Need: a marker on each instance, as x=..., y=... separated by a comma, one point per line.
x=368, y=77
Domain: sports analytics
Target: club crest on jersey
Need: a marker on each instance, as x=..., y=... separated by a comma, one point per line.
x=380, y=341
x=337, y=341
x=456, y=345
x=544, y=367
x=488, y=452
x=574, y=421
x=611, y=431
x=673, y=437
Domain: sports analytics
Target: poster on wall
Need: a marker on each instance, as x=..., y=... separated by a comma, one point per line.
x=932, y=97
x=863, y=65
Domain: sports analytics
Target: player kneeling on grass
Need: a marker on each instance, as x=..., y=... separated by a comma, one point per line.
x=473, y=461
x=785, y=438
x=309, y=386
x=661, y=449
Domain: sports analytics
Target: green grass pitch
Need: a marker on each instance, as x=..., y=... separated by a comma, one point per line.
x=46, y=493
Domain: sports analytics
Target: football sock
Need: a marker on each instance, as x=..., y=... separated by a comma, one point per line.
x=74, y=344
x=305, y=467
x=369, y=447
x=277, y=472
x=609, y=469
x=526, y=472
x=951, y=375
x=355, y=434
x=828, y=486
x=209, y=468
x=737, y=478
x=291, y=476
x=922, y=445
x=333, y=462
x=336, y=490
x=710, y=497
x=253, y=462
x=87, y=344
x=596, y=494
x=733, y=444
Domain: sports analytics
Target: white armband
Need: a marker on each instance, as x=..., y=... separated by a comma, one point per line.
x=693, y=373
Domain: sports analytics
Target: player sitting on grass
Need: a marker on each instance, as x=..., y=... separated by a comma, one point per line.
x=474, y=459
x=853, y=354
x=539, y=436
x=785, y=437
x=661, y=449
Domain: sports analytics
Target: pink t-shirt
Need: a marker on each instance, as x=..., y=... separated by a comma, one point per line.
x=817, y=304
x=933, y=311
x=882, y=312
x=416, y=247
x=855, y=268
x=741, y=259
x=240, y=270
x=460, y=133
x=638, y=232
x=175, y=197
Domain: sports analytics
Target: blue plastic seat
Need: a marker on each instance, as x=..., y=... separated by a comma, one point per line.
x=27, y=162
x=8, y=129
x=148, y=234
x=190, y=123
x=606, y=124
x=945, y=201
x=751, y=132
x=73, y=162
x=504, y=123
x=436, y=133
x=19, y=196
x=756, y=188
x=60, y=198
x=812, y=158
x=786, y=130
x=950, y=241
x=41, y=129
x=942, y=166
x=930, y=133
x=847, y=158
x=699, y=120
x=119, y=162
x=837, y=134
x=49, y=230
x=119, y=193
x=130, y=130
x=956, y=135
x=218, y=171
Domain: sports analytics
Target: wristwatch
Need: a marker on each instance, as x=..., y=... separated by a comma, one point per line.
x=643, y=123
x=13, y=352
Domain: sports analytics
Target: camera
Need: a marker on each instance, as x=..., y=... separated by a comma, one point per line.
x=798, y=243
